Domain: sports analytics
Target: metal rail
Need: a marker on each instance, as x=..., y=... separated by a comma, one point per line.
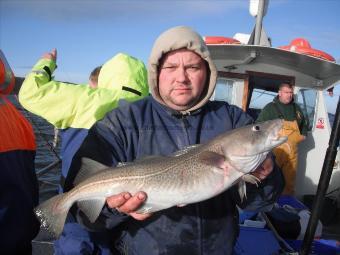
x=325, y=177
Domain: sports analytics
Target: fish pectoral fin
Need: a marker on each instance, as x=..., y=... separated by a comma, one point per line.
x=149, y=208
x=145, y=210
x=88, y=168
x=211, y=158
x=92, y=208
x=251, y=179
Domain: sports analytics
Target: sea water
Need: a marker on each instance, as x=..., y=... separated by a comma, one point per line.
x=46, y=153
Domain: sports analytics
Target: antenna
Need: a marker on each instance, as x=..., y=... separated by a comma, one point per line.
x=258, y=9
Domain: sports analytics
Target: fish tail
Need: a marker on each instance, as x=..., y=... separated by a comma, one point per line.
x=52, y=214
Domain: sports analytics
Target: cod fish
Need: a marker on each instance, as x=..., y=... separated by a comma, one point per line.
x=191, y=175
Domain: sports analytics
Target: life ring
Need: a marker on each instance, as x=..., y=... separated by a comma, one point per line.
x=302, y=46
x=7, y=78
x=220, y=40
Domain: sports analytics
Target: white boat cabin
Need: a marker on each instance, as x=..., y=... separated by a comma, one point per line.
x=249, y=77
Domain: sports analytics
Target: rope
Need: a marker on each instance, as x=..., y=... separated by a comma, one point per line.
x=48, y=168
x=284, y=245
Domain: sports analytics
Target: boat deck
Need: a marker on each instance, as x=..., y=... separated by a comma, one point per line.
x=332, y=231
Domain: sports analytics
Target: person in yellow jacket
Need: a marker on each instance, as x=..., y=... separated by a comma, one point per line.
x=74, y=109
x=295, y=128
x=66, y=105
x=93, y=78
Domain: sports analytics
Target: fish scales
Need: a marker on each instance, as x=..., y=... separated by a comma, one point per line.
x=191, y=175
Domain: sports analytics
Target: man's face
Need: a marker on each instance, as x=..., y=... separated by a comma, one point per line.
x=286, y=95
x=181, y=79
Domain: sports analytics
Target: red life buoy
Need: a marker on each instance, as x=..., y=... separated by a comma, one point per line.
x=7, y=79
x=220, y=40
x=302, y=46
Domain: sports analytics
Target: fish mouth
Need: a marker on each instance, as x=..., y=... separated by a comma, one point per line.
x=277, y=140
x=276, y=137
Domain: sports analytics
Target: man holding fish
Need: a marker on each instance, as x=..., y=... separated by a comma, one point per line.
x=177, y=197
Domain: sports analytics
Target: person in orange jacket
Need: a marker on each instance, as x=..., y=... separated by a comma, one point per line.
x=18, y=181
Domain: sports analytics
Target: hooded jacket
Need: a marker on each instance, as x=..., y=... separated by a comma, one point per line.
x=149, y=127
x=18, y=181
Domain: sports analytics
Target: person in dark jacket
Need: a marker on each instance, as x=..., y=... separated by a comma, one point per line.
x=182, y=78
x=19, y=190
x=295, y=128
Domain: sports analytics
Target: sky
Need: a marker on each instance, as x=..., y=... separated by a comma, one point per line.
x=87, y=33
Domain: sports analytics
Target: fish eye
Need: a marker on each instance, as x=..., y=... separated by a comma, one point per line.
x=256, y=128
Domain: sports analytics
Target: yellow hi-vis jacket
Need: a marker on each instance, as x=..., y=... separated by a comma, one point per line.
x=68, y=105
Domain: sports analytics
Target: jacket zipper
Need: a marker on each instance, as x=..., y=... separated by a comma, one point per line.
x=186, y=125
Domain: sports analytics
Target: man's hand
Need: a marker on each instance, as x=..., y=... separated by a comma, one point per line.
x=265, y=168
x=51, y=55
x=128, y=204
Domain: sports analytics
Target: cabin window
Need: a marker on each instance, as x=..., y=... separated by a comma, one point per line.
x=259, y=99
x=306, y=99
x=223, y=90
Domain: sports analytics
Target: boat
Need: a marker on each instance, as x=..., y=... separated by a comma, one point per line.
x=251, y=71
x=246, y=72
x=249, y=68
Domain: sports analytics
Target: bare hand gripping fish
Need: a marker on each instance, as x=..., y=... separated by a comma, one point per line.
x=191, y=175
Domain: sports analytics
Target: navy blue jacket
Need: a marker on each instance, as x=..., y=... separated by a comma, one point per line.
x=71, y=139
x=75, y=239
x=149, y=128
x=19, y=189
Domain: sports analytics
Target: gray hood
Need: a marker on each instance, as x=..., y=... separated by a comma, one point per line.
x=174, y=39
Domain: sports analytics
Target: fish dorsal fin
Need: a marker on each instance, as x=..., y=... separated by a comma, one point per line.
x=147, y=158
x=185, y=150
x=88, y=168
x=211, y=158
x=121, y=164
x=92, y=208
x=144, y=159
